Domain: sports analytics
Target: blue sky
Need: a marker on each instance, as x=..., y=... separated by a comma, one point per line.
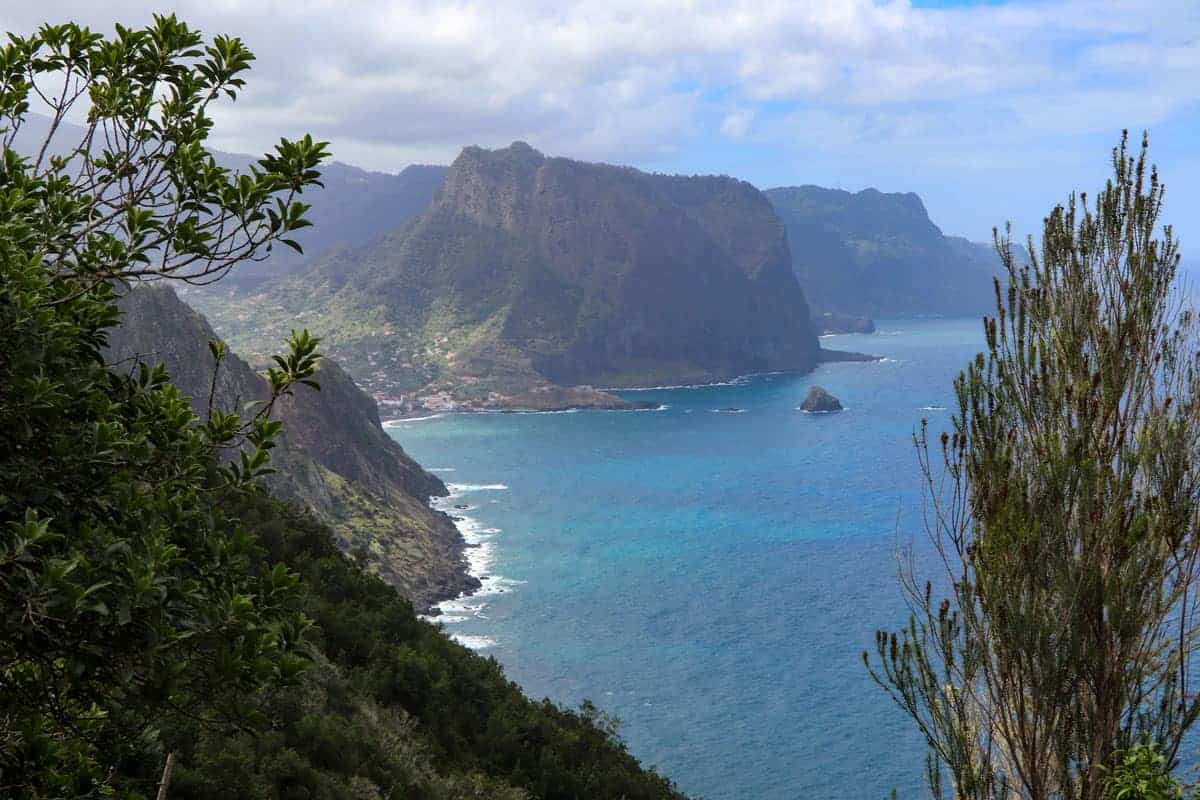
x=1017, y=181
x=991, y=111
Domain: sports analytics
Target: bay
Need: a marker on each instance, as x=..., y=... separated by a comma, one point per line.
x=710, y=576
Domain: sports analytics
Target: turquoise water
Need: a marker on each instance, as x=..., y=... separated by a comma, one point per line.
x=711, y=578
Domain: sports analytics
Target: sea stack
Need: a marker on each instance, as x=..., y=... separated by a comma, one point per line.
x=820, y=401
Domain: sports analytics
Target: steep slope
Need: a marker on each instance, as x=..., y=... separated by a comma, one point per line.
x=875, y=254
x=528, y=272
x=335, y=458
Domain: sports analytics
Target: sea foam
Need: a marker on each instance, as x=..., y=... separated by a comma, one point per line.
x=399, y=422
x=473, y=642
x=480, y=553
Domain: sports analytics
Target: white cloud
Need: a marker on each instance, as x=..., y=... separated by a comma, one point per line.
x=736, y=124
x=634, y=80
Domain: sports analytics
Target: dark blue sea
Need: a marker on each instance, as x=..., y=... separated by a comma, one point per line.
x=711, y=577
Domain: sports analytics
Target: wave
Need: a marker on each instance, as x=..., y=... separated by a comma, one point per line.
x=473, y=642
x=528, y=411
x=932, y=408
x=440, y=469
x=729, y=411
x=475, y=487
x=806, y=411
x=398, y=422
x=733, y=382
x=480, y=555
x=740, y=380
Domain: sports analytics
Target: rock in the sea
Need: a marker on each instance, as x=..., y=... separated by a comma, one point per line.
x=819, y=400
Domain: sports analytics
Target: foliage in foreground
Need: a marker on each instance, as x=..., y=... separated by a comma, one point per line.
x=127, y=594
x=393, y=707
x=1065, y=508
x=151, y=601
x=1141, y=774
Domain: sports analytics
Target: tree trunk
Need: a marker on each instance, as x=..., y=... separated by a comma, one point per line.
x=168, y=768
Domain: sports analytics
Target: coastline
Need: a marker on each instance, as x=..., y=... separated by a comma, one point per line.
x=479, y=552
x=423, y=415
x=824, y=356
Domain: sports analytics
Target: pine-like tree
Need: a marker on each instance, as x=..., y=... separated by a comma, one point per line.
x=1064, y=507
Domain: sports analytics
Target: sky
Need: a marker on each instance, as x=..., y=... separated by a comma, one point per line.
x=991, y=111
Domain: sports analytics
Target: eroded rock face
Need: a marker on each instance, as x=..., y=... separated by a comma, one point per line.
x=334, y=458
x=819, y=401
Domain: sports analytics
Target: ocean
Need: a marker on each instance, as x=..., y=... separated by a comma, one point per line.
x=709, y=576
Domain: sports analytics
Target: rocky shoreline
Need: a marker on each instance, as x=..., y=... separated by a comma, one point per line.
x=455, y=580
x=552, y=399
x=831, y=323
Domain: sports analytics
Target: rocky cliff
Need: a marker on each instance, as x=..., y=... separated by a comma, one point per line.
x=527, y=272
x=876, y=254
x=334, y=458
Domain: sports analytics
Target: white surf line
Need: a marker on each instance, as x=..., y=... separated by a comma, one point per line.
x=480, y=553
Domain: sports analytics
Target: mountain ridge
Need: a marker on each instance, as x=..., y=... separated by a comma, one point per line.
x=877, y=254
x=529, y=273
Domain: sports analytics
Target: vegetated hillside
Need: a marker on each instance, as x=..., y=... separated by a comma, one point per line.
x=391, y=708
x=527, y=272
x=334, y=459
x=876, y=254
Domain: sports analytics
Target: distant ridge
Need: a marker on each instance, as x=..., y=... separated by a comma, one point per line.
x=354, y=206
x=879, y=255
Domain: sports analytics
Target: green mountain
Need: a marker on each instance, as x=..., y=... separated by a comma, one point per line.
x=879, y=255
x=527, y=274
x=334, y=460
